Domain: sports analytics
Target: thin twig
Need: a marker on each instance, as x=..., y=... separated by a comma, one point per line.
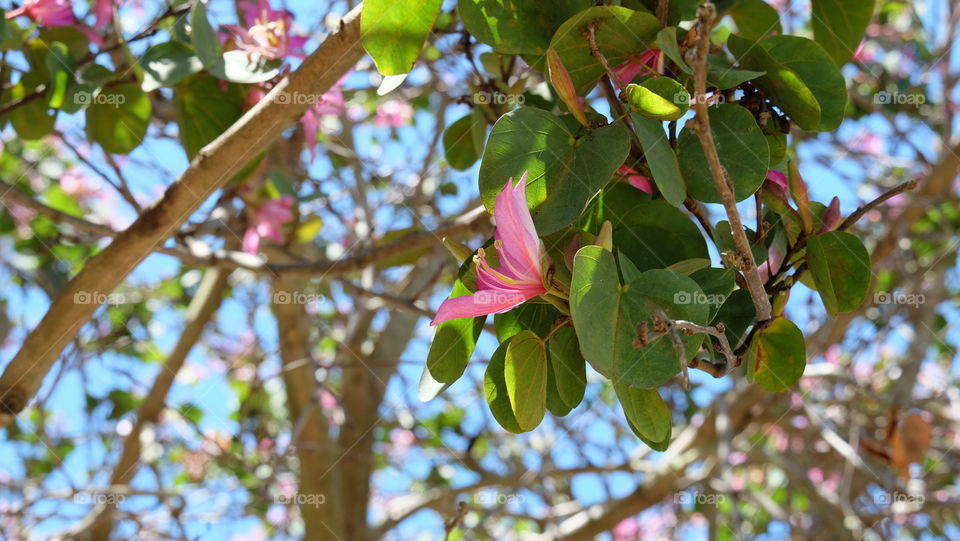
x=663, y=325
x=857, y=214
x=590, y=32
x=455, y=520
x=701, y=125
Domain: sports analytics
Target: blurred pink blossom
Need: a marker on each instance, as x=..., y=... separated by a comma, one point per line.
x=331, y=102
x=627, y=530
x=46, y=12
x=77, y=185
x=867, y=142
x=393, y=113
x=268, y=223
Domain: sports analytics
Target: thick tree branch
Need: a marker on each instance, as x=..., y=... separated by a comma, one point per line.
x=701, y=125
x=213, y=166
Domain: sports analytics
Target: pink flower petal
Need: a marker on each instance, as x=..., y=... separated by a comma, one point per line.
x=480, y=303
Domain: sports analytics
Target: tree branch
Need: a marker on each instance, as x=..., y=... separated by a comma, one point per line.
x=701, y=124
x=210, y=169
x=201, y=310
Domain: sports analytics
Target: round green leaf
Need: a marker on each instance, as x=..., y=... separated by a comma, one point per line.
x=203, y=37
x=840, y=266
x=621, y=33
x=661, y=158
x=204, y=110
x=606, y=315
x=777, y=355
x=118, y=117
x=566, y=165
x=648, y=414
x=839, y=25
x=801, y=78
x=652, y=233
x=34, y=119
x=742, y=148
x=525, y=374
x=393, y=31
x=167, y=63
x=495, y=390
x=458, y=143
x=755, y=19
x=455, y=339
x=517, y=26
x=568, y=367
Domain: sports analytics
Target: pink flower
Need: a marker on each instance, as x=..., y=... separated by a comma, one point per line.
x=268, y=223
x=46, y=12
x=103, y=10
x=650, y=61
x=77, y=185
x=394, y=113
x=867, y=142
x=627, y=529
x=268, y=31
x=519, y=277
x=331, y=102
x=635, y=179
x=863, y=54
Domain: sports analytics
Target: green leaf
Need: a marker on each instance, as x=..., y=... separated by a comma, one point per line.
x=393, y=31
x=741, y=146
x=662, y=159
x=840, y=266
x=536, y=317
x=495, y=390
x=76, y=41
x=60, y=68
x=801, y=78
x=167, y=63
x=118, y=117
x=755, y=19
x=736, y=313
x=245, y=68
x=646, y=411
x=659, y=98
x=203, y=37
x=429, y=388
x=205, y=110
x=562, y=161
x=62, y=201
x=458, y=143
x=517, y=26
x=454, y=341
x=569, y=369
x=777, y=355
x=839, y=25
x=606, y=315
x=651, y=232
x=719, y=72
x=525, y=374
x=621, y=34
x=717, y=284
x=32, y=120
